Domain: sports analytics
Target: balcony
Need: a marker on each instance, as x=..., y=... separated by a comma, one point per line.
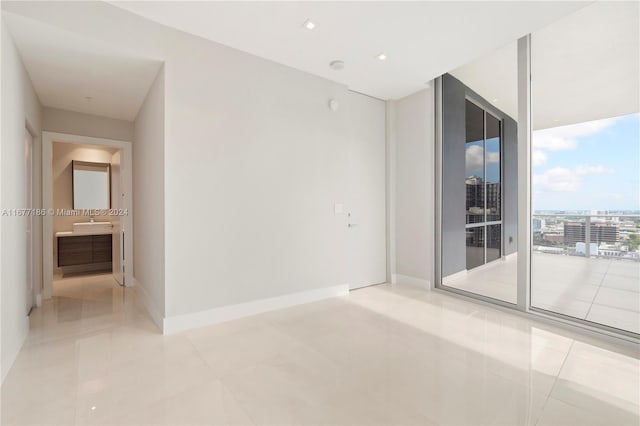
x=592, y=272
x=600, y=285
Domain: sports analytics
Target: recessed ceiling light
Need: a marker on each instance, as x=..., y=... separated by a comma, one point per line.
x=309, y=24
x=336, y=65
x=382, y=56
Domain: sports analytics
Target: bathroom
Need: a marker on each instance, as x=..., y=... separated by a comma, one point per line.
x=88, y=235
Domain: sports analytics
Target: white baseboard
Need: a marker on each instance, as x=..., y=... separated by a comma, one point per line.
x=149, y=305
x=412, y=281
x=453, y=277
x=510, y=256
x=178, y=323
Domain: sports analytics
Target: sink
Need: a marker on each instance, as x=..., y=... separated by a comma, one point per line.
x=92, y=227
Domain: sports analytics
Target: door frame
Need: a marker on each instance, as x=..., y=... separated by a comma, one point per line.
x=31, y=280
x=126, y=168
x=117, y=249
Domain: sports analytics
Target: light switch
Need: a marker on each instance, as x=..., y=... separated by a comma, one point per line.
x=337, y=208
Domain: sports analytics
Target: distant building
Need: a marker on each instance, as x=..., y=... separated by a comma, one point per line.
x=574, y=232
x=493, y=202
x=538, y=224
x=553, y=237
x=475, y=199
x=581, y=248
x=476, y=188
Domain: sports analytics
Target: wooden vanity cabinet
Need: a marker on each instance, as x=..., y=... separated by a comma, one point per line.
x=84, y=249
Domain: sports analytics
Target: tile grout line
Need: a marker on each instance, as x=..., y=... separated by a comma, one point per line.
x=220, y=378
x=598, y=290
x=555, y=381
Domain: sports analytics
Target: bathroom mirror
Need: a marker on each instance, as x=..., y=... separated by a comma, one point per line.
x=91, y=185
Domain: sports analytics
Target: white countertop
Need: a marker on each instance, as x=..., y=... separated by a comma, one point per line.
x=79, y=234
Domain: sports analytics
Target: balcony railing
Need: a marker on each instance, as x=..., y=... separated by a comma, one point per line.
x=595, y=235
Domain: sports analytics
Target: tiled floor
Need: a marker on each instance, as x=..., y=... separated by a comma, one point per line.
x=382, y=355
x=605, y=291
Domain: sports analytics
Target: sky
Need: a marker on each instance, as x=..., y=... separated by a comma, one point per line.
x=588, y=166
x=474, y=163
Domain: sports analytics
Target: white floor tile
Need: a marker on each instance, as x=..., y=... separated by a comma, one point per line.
x=383, y=355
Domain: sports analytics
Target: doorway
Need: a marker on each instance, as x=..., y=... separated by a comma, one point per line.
x=118, y=217
x=366, y=211
x=28, y=157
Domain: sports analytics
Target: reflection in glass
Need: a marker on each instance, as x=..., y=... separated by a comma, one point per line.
x=492, y=161
x=474, y=163
x=90, y=185
x=479, y=103
x=494, y=242
x=475, y=246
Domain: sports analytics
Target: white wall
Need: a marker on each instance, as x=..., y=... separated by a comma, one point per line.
x=20, y=106
x=255, y=161
x=414, y=204
x=77, y=123
x=149, y=199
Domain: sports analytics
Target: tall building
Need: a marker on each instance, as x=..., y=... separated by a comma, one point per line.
x=476, y=188
x=574, y=232
x=537, y=224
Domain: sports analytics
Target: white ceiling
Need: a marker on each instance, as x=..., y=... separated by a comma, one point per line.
x=495, y=78
x=68, y=61
x=66, y=68
x=421, y=39
x=585, y=67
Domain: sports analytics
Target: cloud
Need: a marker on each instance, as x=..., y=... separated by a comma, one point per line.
x=560, y=179
x=565, y=138
x=473, y=160
x=539, y=158
x=474, y=154
x=592, y=170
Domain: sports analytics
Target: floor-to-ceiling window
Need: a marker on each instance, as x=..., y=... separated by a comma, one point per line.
x=585, y=263
x=579, y=83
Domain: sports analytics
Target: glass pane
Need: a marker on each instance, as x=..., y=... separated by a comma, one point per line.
x=474, y=162
x=479, y=139
x=475, y=247
x=494, y=242
x=585, y=168
x=492, y=161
